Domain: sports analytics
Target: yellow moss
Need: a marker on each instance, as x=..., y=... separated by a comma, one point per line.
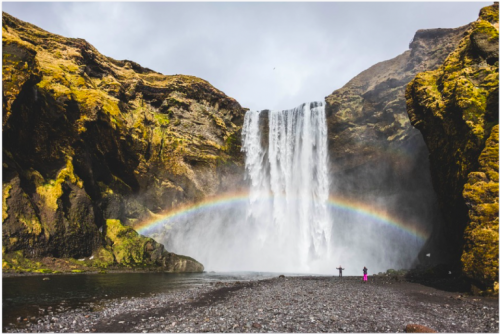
x=92, y=98
x=52, y=191
x=6, y=195
x=460, y=88
x=33, y=225
x=489, y=13
x=480, y=256
x=485, y=27
x=10, y=36
x=5, y=265
x=105, y=189
x=220, y=123
x=128, y=246
x=17, y=261
x=105, y=256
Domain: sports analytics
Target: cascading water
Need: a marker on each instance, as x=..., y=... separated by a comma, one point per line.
x=288, y=223
x=289, y=185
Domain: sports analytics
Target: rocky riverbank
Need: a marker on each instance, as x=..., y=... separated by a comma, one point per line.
x=291, y=304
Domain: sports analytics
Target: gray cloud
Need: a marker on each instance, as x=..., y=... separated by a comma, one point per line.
x=315, y=48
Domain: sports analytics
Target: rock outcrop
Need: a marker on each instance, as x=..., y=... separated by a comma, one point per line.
x=455, y=107
x=367, y=118
x=376, y=155
x=91, y=144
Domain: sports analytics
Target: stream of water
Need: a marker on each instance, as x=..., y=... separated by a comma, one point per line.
x=23, y=296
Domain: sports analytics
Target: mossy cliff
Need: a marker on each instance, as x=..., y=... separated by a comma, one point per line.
x=89, y=140
x=455, y=107
x=376, y=155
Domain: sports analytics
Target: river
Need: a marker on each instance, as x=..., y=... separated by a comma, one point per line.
x=24, y=296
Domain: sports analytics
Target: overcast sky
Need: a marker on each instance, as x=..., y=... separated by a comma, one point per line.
x=265, y=55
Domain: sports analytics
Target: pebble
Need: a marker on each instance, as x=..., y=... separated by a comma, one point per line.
x=294, y=304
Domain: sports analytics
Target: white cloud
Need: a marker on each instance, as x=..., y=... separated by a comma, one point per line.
x=315, y=47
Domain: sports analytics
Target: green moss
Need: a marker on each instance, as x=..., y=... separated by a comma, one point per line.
x=43, y=271
x=104, y=258
x=232, y=144
x=162, y=119
x=77, y=271
x=128, y=246
x=16, y=261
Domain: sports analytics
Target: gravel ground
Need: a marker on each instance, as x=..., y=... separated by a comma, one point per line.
x=291, y=304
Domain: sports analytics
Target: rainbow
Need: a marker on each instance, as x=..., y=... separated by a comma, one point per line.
x=227, y=200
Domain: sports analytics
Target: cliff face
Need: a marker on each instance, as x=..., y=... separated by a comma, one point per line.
x=367, y=117
x=455, y=107
x=376, y=155
x=89, y=141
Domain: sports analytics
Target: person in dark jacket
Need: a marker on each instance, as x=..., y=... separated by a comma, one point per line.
x=365, y=274
x=340, y=271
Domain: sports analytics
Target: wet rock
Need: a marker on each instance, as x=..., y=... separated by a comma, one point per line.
x=415, y=328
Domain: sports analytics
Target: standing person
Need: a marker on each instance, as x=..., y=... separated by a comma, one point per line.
x=340, y=271
x=365, y=274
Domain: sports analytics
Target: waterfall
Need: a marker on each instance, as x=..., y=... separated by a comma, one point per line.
x=287, y=224
x=289, y=184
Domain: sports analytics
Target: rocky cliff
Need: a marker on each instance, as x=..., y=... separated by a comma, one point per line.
x=367, y=117
x=92, y=144
x=376, y=155
x=455, y=107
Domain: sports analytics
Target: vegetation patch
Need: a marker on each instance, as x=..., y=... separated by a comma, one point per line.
x=6, y=194
x=52, y=191
x=127, y=245
x=452, y=107
x=480, y=256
